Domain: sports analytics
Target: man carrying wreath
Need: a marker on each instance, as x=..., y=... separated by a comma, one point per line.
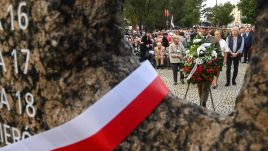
x=203, y=61
x=203, y=87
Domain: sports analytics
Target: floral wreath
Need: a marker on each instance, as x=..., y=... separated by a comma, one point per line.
x=203, y=61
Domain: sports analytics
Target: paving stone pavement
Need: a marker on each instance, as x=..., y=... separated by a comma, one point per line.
x=224, y=97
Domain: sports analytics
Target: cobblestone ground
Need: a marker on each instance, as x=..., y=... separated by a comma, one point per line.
x=224, y=97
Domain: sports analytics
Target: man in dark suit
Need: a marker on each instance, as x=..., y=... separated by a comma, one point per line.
x=235, y=43
x=248, y=45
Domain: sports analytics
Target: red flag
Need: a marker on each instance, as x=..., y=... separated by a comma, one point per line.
x=166, y=13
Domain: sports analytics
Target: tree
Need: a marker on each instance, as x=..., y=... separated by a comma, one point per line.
x=191, y=12
x=176, y=7
x=248, y=11
x=146, y=12
x=207, y=13
x=150, y=12
x=222, y=14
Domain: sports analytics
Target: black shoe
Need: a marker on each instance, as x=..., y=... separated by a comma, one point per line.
x=234, y=83
x=182, y=81
x=244, y=62
x=175, y=83
x=227, y=84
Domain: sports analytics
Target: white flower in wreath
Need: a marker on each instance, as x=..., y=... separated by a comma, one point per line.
x=214, y=54
x=199, y=61
x=206, y=45
x=196, y=41
x=201, y=50
x=187, y=52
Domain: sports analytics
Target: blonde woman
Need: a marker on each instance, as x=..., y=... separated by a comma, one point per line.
x=159, y=52
x=176, y=58
x=224, y=49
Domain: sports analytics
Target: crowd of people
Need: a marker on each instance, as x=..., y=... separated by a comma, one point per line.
x=166, y=49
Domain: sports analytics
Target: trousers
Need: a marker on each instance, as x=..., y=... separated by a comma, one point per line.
x=230, y=61
x=175, y=68
x=203, y=91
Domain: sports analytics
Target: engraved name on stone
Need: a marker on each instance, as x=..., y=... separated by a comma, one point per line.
x=24, y=100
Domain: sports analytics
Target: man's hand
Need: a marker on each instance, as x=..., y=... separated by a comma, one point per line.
x=234, y=55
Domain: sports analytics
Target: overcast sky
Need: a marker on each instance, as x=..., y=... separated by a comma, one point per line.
x=211, y=3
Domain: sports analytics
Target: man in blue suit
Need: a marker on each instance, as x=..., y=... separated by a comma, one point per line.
x=248, y=45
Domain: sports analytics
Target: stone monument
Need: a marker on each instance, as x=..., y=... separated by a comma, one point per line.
x=58, y=57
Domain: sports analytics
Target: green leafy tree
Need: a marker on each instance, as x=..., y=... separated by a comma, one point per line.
x=208, y=13
x=148, y=13
x=222, y=14
x=191, y=12
x=247, y=8
x=176, y=7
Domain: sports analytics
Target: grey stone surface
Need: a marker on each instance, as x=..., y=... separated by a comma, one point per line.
x=224, y=97
x=91, y=58
x=77, y=54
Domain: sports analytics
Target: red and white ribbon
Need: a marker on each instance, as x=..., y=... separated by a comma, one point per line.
x=104, y=125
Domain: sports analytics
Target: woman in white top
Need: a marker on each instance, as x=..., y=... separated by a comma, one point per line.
x=224, y=49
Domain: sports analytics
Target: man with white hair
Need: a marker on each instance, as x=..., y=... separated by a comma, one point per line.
x=235, y=43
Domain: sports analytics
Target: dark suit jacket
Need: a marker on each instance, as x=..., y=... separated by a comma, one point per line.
x=248, y=40
x=146, y=41
x=165, y=42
